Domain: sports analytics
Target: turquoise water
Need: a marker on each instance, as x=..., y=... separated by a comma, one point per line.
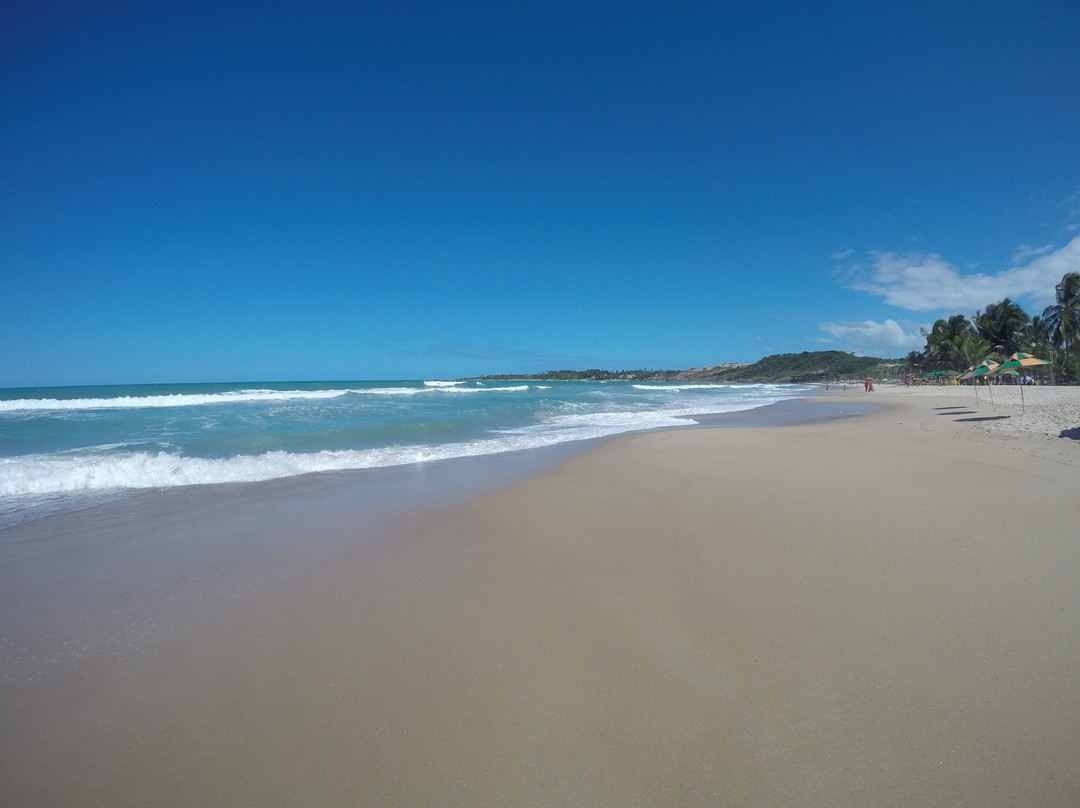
x=60, y=445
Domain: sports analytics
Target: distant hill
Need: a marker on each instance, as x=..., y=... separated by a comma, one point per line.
x=808, y=366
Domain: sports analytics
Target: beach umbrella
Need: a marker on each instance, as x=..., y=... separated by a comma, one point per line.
x=1021, y=360
x=984, y=368
x=967, y=374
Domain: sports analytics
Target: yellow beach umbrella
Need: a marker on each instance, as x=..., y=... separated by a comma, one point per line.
x=1020, y=360
x=982, y=369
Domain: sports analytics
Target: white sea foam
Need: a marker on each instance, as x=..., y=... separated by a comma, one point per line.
x=706, y=386
x=394, y=391
x=85, y=471
x=439, y=389
x=171, y=400
x=115, y=464
x=515, y=388
x=574, y=424
x=234, y=397
x=703, y=385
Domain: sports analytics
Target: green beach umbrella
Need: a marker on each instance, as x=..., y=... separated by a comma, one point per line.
x=967, y=374
x=1021, y=360
x=984, y=368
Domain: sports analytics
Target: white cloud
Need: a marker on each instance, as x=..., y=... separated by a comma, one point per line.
x=1025, y=251
x=840, y=256
x=870, y=338
x=1072, y=208
x=927, y=282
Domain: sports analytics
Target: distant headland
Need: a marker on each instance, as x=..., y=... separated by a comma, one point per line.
x=808, y=366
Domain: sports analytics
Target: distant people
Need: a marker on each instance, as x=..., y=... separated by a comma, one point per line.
x=868, y=385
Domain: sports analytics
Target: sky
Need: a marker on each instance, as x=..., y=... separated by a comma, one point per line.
x=233, y=191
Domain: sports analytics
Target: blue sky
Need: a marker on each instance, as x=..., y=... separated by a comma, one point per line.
x=196, y=191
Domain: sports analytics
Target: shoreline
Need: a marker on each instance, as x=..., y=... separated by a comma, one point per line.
x=366, y=430
x=436, y=481
x=837, y=612
x=818, y=405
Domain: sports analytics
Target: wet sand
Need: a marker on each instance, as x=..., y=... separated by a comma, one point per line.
x=868, y=611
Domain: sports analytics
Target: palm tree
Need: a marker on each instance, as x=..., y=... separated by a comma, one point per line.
x=1063, y=317
x=914, y=361
x=945, y=340
x=974, y=349
x=1037, y=340
x=1003, y=325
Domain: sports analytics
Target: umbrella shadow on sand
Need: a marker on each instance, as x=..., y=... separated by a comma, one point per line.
x=1071, y=434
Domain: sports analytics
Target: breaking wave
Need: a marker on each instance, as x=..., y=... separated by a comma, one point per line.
x=235, y=397
x=81, y=471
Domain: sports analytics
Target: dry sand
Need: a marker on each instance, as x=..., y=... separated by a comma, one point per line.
x=1008, y=411
x=874, y=611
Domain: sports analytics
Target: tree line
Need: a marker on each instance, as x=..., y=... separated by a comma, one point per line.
x=1002, y=329
x=805, y=366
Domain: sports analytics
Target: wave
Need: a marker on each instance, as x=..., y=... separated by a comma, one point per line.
x=118, y=466
x=514, y=388
x=170, y=400
x=700, y=386
x=232, y=397
x=447, y=388
x=92, y=471
x=720, y=386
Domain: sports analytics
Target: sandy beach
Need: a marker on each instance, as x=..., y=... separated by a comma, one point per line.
x=878, y=610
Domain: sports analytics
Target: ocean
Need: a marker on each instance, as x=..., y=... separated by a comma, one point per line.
x=66, y=447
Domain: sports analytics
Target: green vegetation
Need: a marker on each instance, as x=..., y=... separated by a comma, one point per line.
x=1002, y=329
x=816, y=366
x=808, y=366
